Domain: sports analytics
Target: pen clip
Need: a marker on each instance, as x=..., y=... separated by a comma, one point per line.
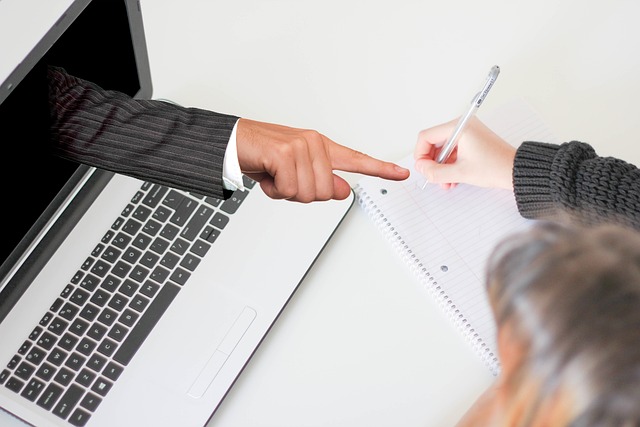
x=491, y=79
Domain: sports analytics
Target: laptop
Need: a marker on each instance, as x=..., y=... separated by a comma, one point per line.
x=122, y=302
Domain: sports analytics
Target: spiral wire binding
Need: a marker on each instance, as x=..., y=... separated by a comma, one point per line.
x=427, y=280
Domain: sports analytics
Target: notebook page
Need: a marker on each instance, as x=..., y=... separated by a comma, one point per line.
x=446, y=236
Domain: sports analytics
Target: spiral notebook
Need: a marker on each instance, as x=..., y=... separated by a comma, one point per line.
x=446, y=236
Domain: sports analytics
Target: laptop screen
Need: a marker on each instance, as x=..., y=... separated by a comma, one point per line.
x=100, y=45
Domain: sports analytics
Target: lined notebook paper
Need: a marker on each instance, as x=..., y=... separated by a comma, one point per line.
x=446, y=236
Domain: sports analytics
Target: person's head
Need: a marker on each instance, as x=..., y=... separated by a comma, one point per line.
x=567, y=305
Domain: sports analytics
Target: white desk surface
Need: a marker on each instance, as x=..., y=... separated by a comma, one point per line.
x=360, y=344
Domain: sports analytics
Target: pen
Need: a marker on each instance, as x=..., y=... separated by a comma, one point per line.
x=448, y=147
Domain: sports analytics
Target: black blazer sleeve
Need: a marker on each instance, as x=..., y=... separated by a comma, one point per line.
x=148, y=139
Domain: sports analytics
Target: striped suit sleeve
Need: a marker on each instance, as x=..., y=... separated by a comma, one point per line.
x=147, y=139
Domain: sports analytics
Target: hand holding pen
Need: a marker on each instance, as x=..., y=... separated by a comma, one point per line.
x=465, y=151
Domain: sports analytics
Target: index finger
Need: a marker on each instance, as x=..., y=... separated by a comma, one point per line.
x=348, y=160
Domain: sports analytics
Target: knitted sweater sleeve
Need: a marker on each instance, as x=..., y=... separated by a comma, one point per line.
x=148, y=139
x=572, y=180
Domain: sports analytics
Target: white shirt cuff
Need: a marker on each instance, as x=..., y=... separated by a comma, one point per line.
x=231, y=173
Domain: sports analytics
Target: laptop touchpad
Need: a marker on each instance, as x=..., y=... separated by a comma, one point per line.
x=220, y=355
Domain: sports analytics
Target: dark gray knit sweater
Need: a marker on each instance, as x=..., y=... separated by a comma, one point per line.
x=572, y=180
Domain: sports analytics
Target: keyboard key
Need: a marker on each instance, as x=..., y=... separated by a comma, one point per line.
x=127, y=210
x=128, y=287
x=219, y=220
x=184, y=211
x=99, y=298
x=75, y=361
x=36, y=356
x=68, y=401
x=14, y=384
x=180, y=276
x=117, y=332
x=179, y=246
x=155, y=195
x=131, y=227
x=200, y=247
x=190, y=262
x=169, y=260
x=121, y=269
x=129, y=317
x=79, y=327
x=160, y=274
x=149, y=259
x=15, y=360
x=64, y=376
x=139, y=333
x=139, y=273
x=152, y=227
x=149, y=288
x=210, y=234
x=86, y=346
x=232, y=204
x=58, y=326
x=86, y=377
x=56, y=357
x=196, y=223
x=79, y=297
x=91, y=282
x=139, y=303
x=142, y=213
x=107, y=347
x=131, y=255
x=111, y=254
x=49, y=397
x=112, y=371
x=101, y=386
x=32, y=390
x=97, y=362
x=56, y=305
x=169, y=232
x=100, y=268
x=79, y=418
x=69, y=311
x=121, y=240
x=159, y=245
x=110, y=283
x=25, y=347
x=97, y=331
x=118, y=302
x=91, y=402
x=107, y=317
x=142, y=241
x=68, y=341
x=24, y=371
x=46, y=371
x=46, y=319
x=173, y=199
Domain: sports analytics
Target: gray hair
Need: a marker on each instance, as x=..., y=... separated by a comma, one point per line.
x=573, y=296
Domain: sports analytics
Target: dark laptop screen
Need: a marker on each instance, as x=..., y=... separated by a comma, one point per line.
x=97, y=46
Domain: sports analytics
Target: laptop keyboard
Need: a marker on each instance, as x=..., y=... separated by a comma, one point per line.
x=93, y=329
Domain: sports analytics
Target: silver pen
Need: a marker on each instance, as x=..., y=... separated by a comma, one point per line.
x=477, y=100
x=451, y=143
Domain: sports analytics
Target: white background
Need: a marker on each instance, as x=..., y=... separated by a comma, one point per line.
x=360, y=344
